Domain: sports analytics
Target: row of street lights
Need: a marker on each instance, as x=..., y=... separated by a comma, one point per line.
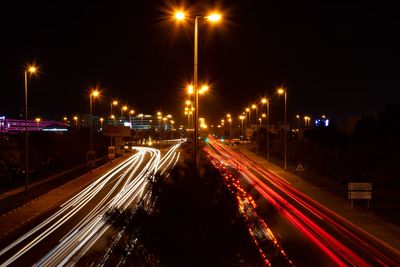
x=180, y=16
x=258, y=121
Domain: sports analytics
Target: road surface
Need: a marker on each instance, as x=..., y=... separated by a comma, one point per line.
x=65, y=233
x=311, y=234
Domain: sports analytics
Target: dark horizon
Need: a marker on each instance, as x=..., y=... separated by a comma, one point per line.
x=334, y=59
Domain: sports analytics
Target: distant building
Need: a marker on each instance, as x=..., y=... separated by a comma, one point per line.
x=13, y=126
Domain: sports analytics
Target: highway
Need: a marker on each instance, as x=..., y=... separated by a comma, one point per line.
x=66, y=233
x=310, y=233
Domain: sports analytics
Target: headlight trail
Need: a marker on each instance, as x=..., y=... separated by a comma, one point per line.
x=119, y=188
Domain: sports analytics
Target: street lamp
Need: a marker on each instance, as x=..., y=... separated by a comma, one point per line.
x=242, y=118
x=113, y=103
x=95, y=93
x=298, y=122
x=101, y=123
x=230, y=128
x=29, y=70
x=266, y=101
x=284, y=92
x=213, y=18
x=37, y=122
x=124, y=108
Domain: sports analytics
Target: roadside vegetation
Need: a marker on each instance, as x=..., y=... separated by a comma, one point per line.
x=193, y=221
x=49, y=153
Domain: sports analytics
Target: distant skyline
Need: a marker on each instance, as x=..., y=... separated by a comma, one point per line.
x=337, y=59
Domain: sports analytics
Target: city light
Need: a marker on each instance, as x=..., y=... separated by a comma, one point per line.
x=95, y=93
x=190, y=89
x=180, y=15
x=264, y=100
x=203, y=89
x=32, y=69
x=214, y=17
x=281, y=91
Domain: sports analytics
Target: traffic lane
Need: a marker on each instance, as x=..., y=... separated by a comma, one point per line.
x=360, y=244
x=36, y=252
x=104, y=246
x=364, y=245
x=299, y=249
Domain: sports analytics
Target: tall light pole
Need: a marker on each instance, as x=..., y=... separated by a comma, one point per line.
x=95, y=93
x=212, y=18
x=29, y=70
x=255, y=107
x=242, y=118
x=284, y=91
x=113, y=103
x=266, y=101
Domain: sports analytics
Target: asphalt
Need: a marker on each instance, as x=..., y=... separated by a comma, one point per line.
x=367, y=220
x=20, y=216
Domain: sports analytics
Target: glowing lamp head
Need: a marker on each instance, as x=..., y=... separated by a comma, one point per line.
x=215, y=17
x=203, y=89
x=95, y=93
x=281, y=91
x=115, y=102
x=65, y=118
x=101, y=119
x=124, y=108
x=37, y=119
x=75, y=118
x=297, y=116
x=112, y=117
x=264, y=115
x=132, y=111
x=32, y=69
x=247, y=110
x=180, y=15
x=264, y=100
x=253, y=106
x=188, y=102
x=190, y=89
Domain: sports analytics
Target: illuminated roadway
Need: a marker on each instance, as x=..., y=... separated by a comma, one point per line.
x=312, y=235
x=67, y=232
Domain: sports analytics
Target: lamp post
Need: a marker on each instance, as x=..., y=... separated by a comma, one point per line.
x=124, y=108
x=113, y=103
x=284, y=91
x=242, y=118
x=230, y=127
x=212, y=18
x=255, y=107
x=95, y=93
x=298, y=122
x=101, y=123
x=29, y=70
x=266, y=101
x=38, y=122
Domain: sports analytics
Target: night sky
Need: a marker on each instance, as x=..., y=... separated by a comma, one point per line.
x=337, y=59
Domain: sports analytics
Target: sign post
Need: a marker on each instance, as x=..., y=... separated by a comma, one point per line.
x=359, y=191
x=300, y=169
x=111, y=152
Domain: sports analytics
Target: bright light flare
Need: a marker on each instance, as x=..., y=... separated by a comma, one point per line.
x=32, y=69
x=264, y=100
x=215, y=17
x=180, y=15
x=203, y=89
x=190, y=89
x=281, y=91
x=95, y=93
